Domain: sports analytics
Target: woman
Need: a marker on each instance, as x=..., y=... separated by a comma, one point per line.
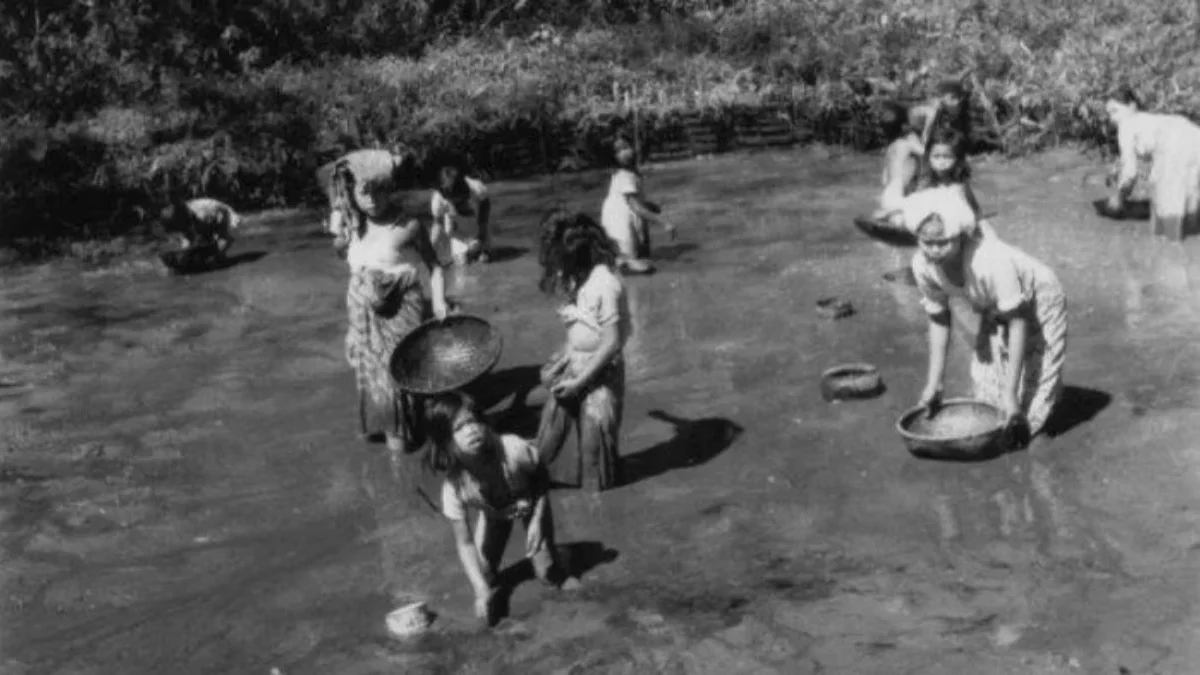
x=1021, y=345
x=455, y=196
x=1171, y=143
x=949, y=109
x=581, y=421
x=385, y=300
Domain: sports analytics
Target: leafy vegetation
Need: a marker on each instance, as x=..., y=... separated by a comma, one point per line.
x=109, y=106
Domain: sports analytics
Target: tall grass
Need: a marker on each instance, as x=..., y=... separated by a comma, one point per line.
x=1040, y=68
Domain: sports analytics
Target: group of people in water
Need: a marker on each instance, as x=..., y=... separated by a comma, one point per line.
x=389, y=248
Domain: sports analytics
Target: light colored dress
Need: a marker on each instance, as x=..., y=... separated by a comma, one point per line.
x=999, y=278
x=578, y=439
x=523, y=478
x=619, y=221
x=1172, y=144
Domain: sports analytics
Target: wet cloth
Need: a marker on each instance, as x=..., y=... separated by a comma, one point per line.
x=999, y=278
x=625, y=227
x=1171, y=143
x=579, y=439
x=522, y=478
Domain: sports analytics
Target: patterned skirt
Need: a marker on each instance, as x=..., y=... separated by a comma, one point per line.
x=1045, y=353
x=382, y=309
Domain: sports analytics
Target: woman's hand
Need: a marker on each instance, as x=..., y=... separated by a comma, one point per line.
x=552, y=370
x=568, y=388
x=1012, y=408
x=931, y=398
x=1115, y=204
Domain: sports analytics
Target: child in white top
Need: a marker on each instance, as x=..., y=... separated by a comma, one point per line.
x=501, y=477
x=625, y=213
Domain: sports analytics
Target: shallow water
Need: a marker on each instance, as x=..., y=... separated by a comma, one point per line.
x=183, y=490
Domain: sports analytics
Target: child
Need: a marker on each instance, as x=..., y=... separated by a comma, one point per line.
x=456, y=195
x=581, y=421
x=902, y=162
x=201, y=222
x=500, y=476
x=385, y=300
x=946, y=165
x=626, y=212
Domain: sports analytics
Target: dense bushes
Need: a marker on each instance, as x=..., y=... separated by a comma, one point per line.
x=120, y=118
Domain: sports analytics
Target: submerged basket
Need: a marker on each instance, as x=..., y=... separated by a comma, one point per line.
x=443, y=355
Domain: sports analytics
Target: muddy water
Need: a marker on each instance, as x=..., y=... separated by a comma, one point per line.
x=183, y=490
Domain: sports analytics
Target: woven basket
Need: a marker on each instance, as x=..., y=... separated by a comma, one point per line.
x=885, y=232
x=960, y=429
x=445, y=355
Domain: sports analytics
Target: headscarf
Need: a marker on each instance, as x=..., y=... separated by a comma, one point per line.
x=378, y=168
x=948, y=202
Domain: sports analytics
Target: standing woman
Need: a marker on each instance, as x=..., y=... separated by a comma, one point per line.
x=385, y=300
x=456, y=196
x=949, y=109
x=1022, y=339
x=1171, y=143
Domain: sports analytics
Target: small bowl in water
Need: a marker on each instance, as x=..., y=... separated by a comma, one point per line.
x=851, y=381
x=411, y=619
x=961, y=428
x=834, y=307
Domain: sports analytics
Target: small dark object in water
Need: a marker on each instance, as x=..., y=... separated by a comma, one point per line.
x=851, y=381
x=961, y=428
x=834, y=308
x=885, y=232
x=192, y=260
x=444, y=355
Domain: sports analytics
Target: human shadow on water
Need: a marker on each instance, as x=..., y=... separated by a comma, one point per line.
x=505, y=253
x=577, y=559
x=1134, y=209
x=1076, y=406
x=695, y=442
x=514, y=386
x=672, y=252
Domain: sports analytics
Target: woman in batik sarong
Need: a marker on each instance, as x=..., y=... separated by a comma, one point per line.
x=581, y=421
x=1022, y=339
x=1171, y=143
x=386, y=301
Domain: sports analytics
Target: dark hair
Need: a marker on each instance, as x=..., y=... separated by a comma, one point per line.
x=1125, y=94
x=571, y=245
x=443, y=159
x=961, y=172
x=440, y=412
x=893, y=120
